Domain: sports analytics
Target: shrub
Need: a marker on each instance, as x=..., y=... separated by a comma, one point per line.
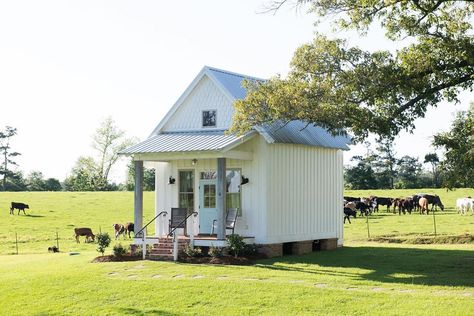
x=236, y=244
x=103, y=241
x=216, y=252
x=119, y=250
x=192, y=252
x=250, y=250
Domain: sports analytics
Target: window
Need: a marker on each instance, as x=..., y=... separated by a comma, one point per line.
x=209, y=118
x=233, y=197
x=209, y=196
x=186, y=190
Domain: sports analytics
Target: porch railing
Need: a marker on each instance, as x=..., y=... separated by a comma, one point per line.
x=142, y=232
x=175, y=239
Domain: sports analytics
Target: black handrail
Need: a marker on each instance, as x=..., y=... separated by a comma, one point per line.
x=141, y=230
x=184, y=220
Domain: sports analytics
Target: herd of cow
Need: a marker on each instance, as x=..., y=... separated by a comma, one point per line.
x=417, y=203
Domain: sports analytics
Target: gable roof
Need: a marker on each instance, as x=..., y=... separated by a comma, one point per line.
x=231, y=85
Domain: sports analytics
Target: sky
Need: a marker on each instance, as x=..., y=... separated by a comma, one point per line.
x=67, y=65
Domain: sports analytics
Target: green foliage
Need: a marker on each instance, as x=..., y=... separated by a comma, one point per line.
x=84, y=176
x=344, y=88
x=250, y=250
x=103, y=241
x=236, y=244
x=458, y=143
x=361, y=176
x=7, y=157
x=433, y=160
x=193, y=251
x=119, y=250
x=148, y=178
x=52, y=184
x=216, y=252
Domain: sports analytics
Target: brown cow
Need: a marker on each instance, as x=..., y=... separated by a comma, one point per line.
x=84, y=232
x=129, y=227
x=119, y=230
x=423, y=202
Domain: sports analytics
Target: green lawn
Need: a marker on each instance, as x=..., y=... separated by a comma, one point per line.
x=362, y=278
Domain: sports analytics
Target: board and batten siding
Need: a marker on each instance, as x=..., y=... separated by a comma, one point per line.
x=205, y=96
x=305, y=192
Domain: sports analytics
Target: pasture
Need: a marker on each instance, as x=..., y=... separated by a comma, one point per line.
x=364, y=277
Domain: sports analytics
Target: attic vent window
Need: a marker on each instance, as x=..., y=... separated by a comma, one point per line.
x=209, y=118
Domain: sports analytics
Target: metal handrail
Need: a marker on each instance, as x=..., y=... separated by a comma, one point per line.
x=144, y=227
x=182, y=222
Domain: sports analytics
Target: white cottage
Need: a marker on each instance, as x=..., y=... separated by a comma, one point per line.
x=292, y=189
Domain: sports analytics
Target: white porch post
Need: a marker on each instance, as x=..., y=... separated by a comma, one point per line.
x=138, y=206
x=221, y=197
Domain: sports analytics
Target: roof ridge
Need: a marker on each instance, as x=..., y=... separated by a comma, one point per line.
x=233, y=73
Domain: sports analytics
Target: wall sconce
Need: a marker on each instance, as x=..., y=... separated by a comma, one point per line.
x=194, y=162
x=244, y=180
x=171, y=180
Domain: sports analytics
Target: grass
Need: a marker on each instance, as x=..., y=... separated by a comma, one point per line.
x=364, y=277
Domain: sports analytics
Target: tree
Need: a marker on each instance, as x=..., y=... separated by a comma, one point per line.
x=84, y=176
x=458, y=143
x=7, y=155
x=52, y=184
x=108, y=140
x=408, y=173
x=361, y=176
x=35, y=181
x=433, y=160
x=148, y=178
x=385, y=163
x=347, y=89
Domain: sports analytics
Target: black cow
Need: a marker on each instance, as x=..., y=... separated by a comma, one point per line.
x=363, y=208
x=19, y=206
x=351, y=199
x=347, y=213
x=434, y=200
x=382, y=201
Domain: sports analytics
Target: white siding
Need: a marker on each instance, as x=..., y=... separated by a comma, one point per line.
x=205, y=96
x=304, y=193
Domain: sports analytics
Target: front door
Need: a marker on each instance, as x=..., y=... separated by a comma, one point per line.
x=207, y=205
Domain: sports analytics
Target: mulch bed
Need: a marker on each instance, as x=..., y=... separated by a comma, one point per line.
x=224, y=260
x=111, y=258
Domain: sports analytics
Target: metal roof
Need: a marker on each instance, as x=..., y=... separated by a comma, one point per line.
x=231, y=81
x=298, y=132
x=184, y=142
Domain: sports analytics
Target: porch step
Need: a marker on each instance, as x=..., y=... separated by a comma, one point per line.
x=163, y=250
x=160, y=257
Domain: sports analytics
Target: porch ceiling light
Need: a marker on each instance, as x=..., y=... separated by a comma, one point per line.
x=194, y=162
x=171, y=180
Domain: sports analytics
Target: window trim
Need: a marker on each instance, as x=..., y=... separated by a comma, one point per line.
x=193, y=183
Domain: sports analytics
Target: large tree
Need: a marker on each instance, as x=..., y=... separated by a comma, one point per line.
x=346, y=88
x=458, y=143
x=7, y=157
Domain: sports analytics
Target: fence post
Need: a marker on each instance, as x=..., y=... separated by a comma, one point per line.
x=434, y=221
x=368, y=230
x=57, y=239
x=16, y=241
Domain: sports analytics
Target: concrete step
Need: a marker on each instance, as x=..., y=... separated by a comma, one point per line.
x=160, y=257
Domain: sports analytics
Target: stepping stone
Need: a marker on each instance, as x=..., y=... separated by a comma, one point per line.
x=378, y=289
x=406, y=291
x=178, y=276
x=466, y=294
x=198, y=276
x=223, y=277
x=156, y=276
x=296, y=281
x=132, y=276
x=251, y=279
x=113, y=273
x=139, y=267
x=321, y=285
x=351, y=288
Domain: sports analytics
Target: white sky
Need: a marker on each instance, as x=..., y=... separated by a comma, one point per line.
x=66, y=65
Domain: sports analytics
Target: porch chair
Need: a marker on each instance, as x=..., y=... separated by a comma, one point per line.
x=178, y=214
x=230, y=220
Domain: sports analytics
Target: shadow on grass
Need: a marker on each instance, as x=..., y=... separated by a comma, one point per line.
x=386, y=265
x=34, y=215
x=134, y=311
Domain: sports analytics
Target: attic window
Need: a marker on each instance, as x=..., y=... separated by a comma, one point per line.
x=209, y=118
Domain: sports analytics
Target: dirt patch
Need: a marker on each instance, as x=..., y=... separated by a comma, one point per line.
x=111, y=258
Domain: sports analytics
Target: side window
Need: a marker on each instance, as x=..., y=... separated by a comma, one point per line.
x=209, y=118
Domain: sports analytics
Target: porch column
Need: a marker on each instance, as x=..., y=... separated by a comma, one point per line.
x=138, y=206
x=221, y=197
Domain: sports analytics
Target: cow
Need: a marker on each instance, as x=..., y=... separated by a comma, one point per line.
x=407, y=205
x=351, y=205
x=129, y=227
x=85, y=231
x=20, y=206
x=53, y=249
x=382, y=201
x=119, y=229
x=363, y=208
x=351, y=199
x=463, y=205
x=423, y=202
x=348, y=213
x=434, y=200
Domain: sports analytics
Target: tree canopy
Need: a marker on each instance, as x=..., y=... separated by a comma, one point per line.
x=348, y=89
